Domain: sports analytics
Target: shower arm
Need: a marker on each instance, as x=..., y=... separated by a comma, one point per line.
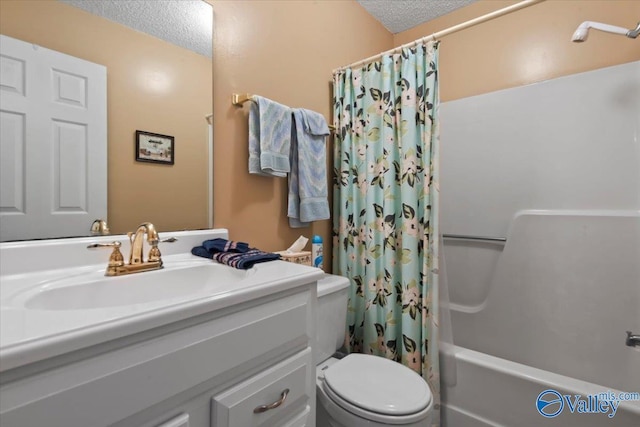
x=582, y=32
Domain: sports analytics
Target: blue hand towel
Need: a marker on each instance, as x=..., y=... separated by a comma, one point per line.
x=233, y=254
x=269, y=137
x=224, y=245
x=307, y=199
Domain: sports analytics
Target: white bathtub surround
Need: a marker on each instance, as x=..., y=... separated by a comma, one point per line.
x=569, y=143
x=555, y=168
x=447, y=357
x=566, y=281
x=159, y=346
x=564, y=290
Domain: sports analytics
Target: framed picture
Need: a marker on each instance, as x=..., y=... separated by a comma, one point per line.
x=154, y=148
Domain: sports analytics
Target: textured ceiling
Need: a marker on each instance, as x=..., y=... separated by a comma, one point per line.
x=186, y=23
x=189, y=23
x=400, y=15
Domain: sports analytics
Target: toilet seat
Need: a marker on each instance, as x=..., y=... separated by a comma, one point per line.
x=378, y=389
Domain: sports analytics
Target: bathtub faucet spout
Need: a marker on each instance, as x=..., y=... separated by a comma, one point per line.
x=632, y=340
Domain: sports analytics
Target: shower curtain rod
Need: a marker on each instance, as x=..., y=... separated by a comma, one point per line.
x=447, y=31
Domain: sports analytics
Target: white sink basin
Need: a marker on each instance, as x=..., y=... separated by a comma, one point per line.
x=55, y=299
x=92, y=290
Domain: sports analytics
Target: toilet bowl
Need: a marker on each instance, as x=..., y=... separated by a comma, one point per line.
x=361, y=390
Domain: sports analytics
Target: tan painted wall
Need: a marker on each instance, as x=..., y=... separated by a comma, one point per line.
x=526, y=46
x=283, y=50
x=153, y=86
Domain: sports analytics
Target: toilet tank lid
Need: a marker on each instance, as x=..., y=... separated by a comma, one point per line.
x=331, y=283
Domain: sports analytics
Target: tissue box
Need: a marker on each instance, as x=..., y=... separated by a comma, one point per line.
x=303, y=257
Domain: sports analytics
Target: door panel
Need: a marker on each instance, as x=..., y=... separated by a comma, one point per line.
x=55, y=165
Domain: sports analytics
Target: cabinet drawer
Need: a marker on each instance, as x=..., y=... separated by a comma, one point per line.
x=301, y=419
x=235, y=407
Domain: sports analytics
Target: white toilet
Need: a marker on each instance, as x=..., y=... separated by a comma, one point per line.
x=361, y=390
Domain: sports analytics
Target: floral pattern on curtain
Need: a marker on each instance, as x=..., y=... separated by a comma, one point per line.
x=386, y=206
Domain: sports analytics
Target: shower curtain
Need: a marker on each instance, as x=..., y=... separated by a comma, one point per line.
x=386, y=234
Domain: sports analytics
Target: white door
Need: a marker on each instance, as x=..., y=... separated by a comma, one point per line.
x=53, y=142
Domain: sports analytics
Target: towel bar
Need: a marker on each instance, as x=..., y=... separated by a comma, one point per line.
x=238, y=99
x=475, y=238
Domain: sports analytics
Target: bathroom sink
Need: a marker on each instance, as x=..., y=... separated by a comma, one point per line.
x=92, y=290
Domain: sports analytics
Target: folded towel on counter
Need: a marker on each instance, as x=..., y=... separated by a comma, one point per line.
x=233, y=254
x=307, y=199
x=224, y=245
x=246, y=260
x=269, y=137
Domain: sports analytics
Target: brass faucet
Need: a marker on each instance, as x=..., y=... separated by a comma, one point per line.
x=137, y=241
x=117, y=266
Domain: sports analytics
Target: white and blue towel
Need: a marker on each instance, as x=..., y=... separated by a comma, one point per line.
x=308, y=178
x=269, y=137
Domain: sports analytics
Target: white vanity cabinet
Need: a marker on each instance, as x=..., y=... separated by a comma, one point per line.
x=210, y=370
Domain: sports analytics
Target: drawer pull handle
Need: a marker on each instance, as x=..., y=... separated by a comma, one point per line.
x=274, y=405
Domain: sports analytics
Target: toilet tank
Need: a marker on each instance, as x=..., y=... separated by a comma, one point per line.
x=332, y=315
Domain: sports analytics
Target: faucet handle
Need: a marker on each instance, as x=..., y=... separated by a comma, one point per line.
x=115, y=245
x=154, y=253
x=115, y=259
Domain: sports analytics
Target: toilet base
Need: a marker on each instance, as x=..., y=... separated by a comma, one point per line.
x=322, y=416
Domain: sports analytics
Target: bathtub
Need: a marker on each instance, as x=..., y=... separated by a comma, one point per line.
x=546, y=311
x=490, y=391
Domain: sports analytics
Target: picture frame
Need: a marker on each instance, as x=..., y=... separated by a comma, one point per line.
x=154, y=148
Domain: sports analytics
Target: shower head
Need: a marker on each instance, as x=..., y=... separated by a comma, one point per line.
x=582, y=32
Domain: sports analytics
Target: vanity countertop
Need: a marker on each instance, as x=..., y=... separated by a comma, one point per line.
x=33, y=333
